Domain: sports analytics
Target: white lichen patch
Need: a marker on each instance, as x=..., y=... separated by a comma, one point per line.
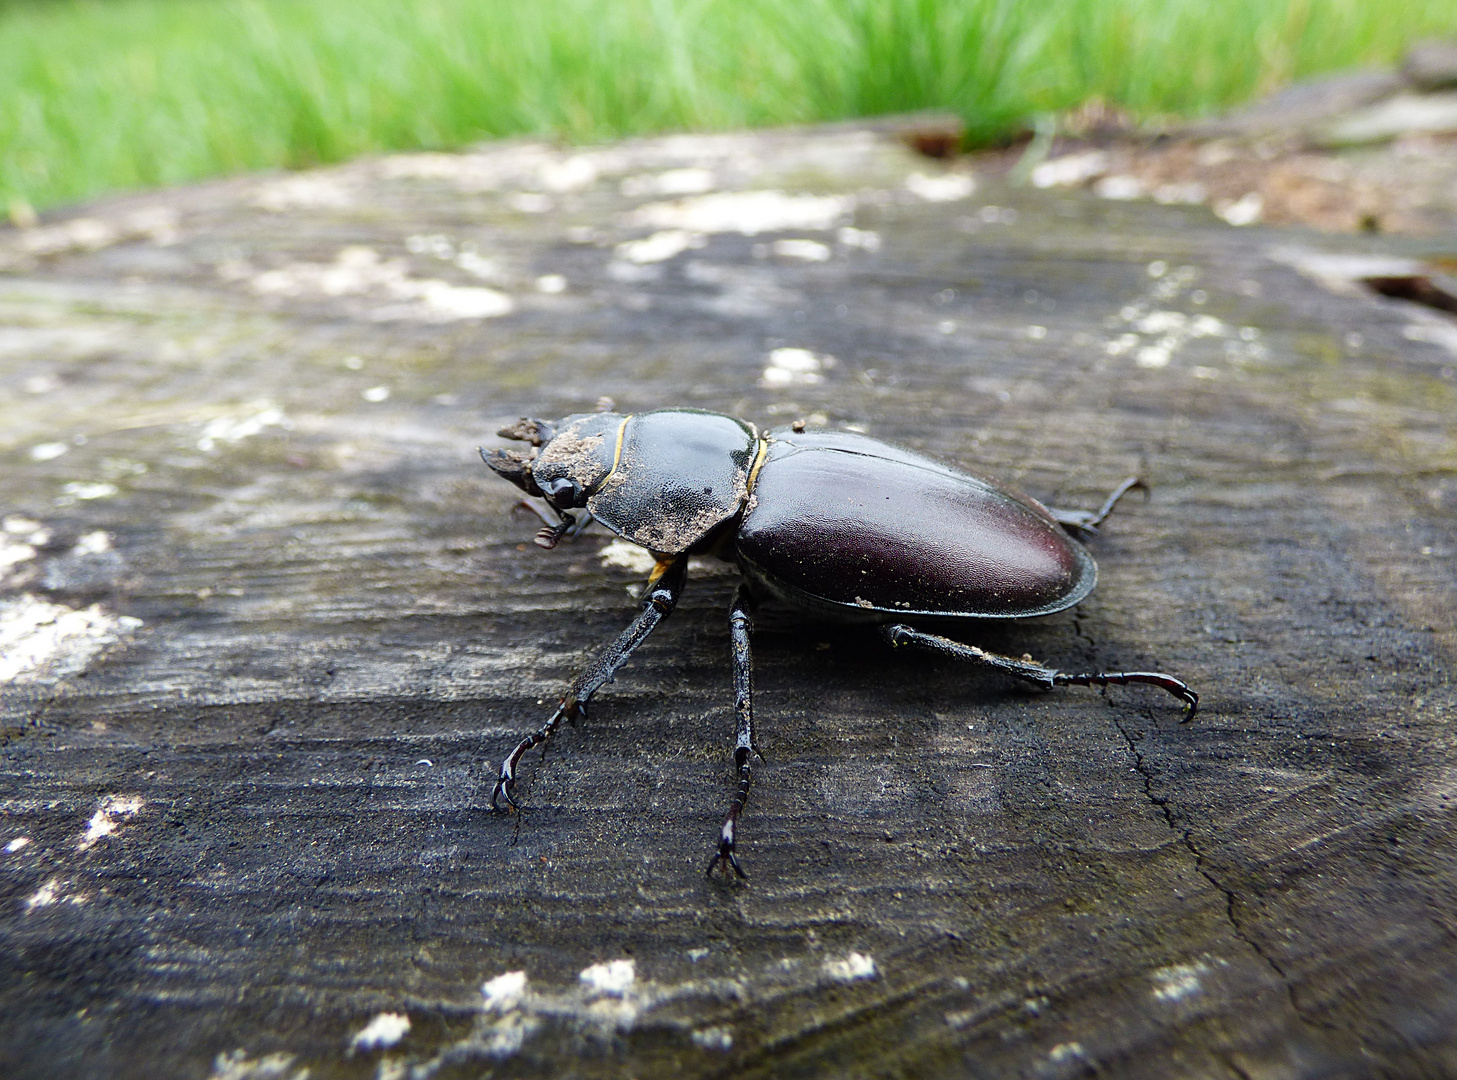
x=92, y=543
x=156, y=223
x=660, y=246
x=575, y=173
x=628, y=556
x=720, y=1039
x=944, y=187
x=1246, y=210
x=17, y=843
x=803, y=250
x=234, y=429
x=32, y=531
x=20, y=537
x=237, y=1065
x=464, y=254
x=360, y=271
x=85, y=491
x=795, y=367
x=1065, y=1052
x=670, y=182
x=1071, y=170
x=1432, y=331
x=1178, y=981
x=504, y=991
x=745, y=212
x=305, y=191
x=440, y=301
x=41, y=384
x=41, y=642
x=1187, y=193
x=854, y=966
x=1154, y=336
x=614, y=977
x=863, y=239
x=607, y=1000
x=48, y=451
x=468, y=172
x=382, y=1032
x=1120, y=188
x=530, y=202
x=45, y=896
x=13, y=552
x=507, y=1022
x=110, y=813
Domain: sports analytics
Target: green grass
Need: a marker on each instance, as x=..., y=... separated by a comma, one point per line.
x=97, y=95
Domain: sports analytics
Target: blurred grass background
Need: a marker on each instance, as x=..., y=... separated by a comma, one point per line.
x=97, y=95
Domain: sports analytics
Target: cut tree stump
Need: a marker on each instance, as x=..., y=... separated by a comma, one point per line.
x=269, y=625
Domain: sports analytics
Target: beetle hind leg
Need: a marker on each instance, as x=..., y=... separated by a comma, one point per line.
x=1030, y=671
x=1084, y=523
x=740, y=624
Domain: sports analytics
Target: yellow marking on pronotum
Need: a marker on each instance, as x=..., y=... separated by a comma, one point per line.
x=617, y=450
x=759, y=457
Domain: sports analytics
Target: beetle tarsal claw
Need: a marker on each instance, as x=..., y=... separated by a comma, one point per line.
x=504, y=784
x=549, y=536
x=725, y=856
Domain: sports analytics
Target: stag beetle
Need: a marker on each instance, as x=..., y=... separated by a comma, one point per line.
x=834, y=523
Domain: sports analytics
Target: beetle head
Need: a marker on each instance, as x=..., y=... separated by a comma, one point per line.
x=568, y=459
x=515, y=465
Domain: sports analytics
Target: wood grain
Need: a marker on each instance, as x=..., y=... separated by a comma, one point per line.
x=343, y=626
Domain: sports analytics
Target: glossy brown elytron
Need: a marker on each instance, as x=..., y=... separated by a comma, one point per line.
x=833, y=523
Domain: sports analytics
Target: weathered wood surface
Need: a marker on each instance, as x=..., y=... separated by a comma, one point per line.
x=342, y=626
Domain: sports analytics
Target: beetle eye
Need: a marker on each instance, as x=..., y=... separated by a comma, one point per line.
x=564, y=493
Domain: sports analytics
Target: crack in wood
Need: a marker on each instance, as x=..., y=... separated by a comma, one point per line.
x=1186, y=837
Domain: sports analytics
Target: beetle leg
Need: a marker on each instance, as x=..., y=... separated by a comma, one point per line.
x=547, y=519
x=740, y=624
x=1085, y=522
x=1033, y=672
x=659, y=599
x=552, y=519
x=583, y=524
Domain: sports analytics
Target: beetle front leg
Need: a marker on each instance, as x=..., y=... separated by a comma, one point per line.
x=659, y=599
x=740, y=625
x=1033, y=672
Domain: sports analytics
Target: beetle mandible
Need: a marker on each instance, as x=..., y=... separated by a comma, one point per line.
x=837, y=524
